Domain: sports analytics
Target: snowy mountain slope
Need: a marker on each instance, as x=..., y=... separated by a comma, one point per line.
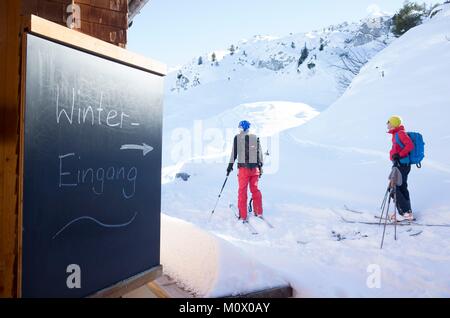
x=264, y=56
x=341, y=157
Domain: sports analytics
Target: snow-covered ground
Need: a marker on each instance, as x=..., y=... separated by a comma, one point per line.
x=317, y=163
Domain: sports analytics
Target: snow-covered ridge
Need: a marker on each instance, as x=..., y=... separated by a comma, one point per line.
x=282, y=55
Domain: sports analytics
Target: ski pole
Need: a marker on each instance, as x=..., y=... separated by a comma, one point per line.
x=220, y=194
x=385, y=198
x=385, y=222
x=383, y=205
x=395, y=214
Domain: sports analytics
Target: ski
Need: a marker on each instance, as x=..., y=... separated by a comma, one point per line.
x=250, y=210
x=406, y=222
x=351, y=210
x=250, y=228
x=377, y=223
x=370, y=223
x=262, y=218
x=398, y=223
x=413, y=234
x=401, y=223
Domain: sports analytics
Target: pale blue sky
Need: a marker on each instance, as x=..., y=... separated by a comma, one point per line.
x=174, y=31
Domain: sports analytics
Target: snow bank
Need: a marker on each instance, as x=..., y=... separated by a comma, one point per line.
x=208, y=265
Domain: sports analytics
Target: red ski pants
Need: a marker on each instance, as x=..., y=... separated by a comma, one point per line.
x=248, y=177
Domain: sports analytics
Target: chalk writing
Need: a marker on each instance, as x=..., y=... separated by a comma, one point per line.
x=75, y=112
x=96, y=177
x=89, y=218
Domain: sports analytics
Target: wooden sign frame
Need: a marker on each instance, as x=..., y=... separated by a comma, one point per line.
x=57, y=33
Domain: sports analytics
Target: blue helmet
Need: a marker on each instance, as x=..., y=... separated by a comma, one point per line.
x=245, y=125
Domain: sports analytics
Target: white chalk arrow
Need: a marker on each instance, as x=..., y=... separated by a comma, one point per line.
x=145, y=148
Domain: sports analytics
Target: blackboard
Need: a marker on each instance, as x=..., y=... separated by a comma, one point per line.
x=92, y=171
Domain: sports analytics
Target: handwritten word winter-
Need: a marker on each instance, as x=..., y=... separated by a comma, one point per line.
x=75, y=112
x=96, y=177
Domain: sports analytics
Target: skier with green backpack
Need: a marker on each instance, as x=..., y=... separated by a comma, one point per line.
x=407, y=149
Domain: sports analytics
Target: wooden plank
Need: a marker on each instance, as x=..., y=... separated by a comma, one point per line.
x=87, y=43
x=29, y=7
x=4, y=270
x=53, y=11
x=104, y=32
x=277, y=292
x=166, y=287
x=23, y=72
x=142, y=292
x=9, y=140
x=64, y=35
x=103, y=16
x=103, y=19
x=157, y=290
x=130, y=284
x=66, y=2
x=115, y=5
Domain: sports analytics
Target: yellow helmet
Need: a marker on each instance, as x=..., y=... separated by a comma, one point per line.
x=395, y=121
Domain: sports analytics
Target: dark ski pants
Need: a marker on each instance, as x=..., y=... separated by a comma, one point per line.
x=403, y=200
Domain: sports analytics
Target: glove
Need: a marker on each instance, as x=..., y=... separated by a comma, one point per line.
x=230, y=168
x=260, y=171
x=396, y=160
x=396, y=157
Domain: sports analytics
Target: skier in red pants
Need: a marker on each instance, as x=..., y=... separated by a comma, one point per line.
x=247, y=149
